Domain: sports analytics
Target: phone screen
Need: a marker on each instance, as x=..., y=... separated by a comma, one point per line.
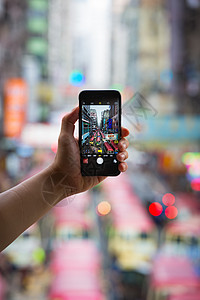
x=99, y=132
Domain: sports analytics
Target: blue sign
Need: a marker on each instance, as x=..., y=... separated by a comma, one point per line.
x=109, y=123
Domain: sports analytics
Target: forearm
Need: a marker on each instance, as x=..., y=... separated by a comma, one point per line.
x=25, y=203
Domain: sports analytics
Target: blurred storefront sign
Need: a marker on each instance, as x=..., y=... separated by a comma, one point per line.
x=45, y=92
x=169, y=162
x=37, y=25
x=37, y=28
x=111, y=136
x=37, y=46
x=38, y=5
x=31, y=72
x=170, y=129
x=15, y=101
x=40, y=135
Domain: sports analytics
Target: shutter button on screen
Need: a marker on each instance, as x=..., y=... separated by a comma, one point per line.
x=99, y=160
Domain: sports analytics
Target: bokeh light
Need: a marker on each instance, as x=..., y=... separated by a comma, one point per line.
x=189, y=158
x=76, y=78
x=155, y=209
x=194, y=170
x=195, y=184
x=171, y=212
x=168, y=199
x=103, y=208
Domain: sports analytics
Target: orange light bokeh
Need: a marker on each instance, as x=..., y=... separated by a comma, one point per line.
x=103, y=208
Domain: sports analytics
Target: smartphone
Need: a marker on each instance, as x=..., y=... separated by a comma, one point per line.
x=99, y=132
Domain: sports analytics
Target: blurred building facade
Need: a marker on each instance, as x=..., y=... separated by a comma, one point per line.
x=155, y=48
x=154, y=41
x=79, y=43
x=119, y=44
x=12, y=41
x=59, y=54
x=140, y=42
x=35, y=62
x=185, y=53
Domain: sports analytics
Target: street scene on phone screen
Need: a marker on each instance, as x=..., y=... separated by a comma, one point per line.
x=100, y=129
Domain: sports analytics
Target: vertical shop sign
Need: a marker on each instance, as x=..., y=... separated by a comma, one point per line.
x=109, y=123
x=15, y=100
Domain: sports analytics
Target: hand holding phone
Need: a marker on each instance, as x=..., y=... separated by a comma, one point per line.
x=99, y=132
x=67, y=164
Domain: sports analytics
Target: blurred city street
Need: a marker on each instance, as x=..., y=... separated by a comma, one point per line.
x=135, y=236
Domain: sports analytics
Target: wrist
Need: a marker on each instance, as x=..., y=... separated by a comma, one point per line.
x=56, y=186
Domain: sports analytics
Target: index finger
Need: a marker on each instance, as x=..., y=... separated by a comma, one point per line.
x=70, y=119
x=124, y=132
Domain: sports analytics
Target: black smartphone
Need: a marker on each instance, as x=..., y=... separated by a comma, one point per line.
x=99, y=132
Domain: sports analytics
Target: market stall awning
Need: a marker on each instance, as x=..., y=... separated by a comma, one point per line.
x=192, y=296
x=170, y=271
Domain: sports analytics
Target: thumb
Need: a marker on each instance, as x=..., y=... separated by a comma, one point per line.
x=69, y=120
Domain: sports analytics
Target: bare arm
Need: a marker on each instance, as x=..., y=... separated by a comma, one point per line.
x=25, y=203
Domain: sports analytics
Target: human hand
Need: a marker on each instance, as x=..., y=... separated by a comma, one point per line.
x=67, y=161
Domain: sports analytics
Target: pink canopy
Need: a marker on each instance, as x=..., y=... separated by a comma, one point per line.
x=189, y=226
x=77, y=255
x=73, y=214
x=74, y=280
x=76, y=285
x=127, y=209
x=75, y=221
x=77, y=246
x=192, y=296
x=74, y=263
x=78, y=202
x=79, y=295
x=142, y=225
x=172, y=271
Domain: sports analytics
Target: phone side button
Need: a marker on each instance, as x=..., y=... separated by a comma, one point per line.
x=99, y=160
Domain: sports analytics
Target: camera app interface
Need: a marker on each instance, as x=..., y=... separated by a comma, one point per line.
x=100, y=130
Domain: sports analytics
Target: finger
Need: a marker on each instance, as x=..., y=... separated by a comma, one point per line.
x=122, y=156
x=123, y=167
x=69, y=120
x=123, y=144
x=124, y=132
